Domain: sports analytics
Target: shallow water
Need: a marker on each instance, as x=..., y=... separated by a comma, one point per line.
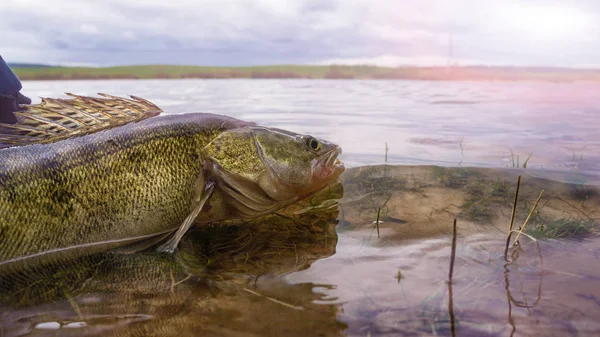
x=324, y=267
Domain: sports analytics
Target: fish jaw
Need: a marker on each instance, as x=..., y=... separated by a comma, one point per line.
x=328, y=166
x=326, y=169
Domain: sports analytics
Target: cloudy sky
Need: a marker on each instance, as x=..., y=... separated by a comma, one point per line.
x=255, y=32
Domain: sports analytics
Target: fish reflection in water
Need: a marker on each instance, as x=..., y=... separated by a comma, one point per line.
x=368, y=256
x=223, y=278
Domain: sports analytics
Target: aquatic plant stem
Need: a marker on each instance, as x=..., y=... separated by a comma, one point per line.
x=522, y=304
x=450, y=295
x=528, y=217
x=527, y=160
x=377, y=221
x=512, y=156
x=527, y=235
x=511, y=321
x=386, y=152
x=512, y=218
x=274, y=300
x=453, y=252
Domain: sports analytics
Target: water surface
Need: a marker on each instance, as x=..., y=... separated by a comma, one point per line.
x=431, y=122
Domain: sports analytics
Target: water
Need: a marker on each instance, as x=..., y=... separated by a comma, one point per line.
x=330, y=270
x=442, y=123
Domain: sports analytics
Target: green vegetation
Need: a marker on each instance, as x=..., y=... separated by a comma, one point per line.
x=452, y=177
x=512, y=156
x=563, y=228
x=483, y=199
x=306, y=71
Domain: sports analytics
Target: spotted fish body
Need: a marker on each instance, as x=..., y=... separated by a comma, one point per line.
x=104, y=190
x=97, y=174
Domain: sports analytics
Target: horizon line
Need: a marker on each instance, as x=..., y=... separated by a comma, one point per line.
x=474, y=65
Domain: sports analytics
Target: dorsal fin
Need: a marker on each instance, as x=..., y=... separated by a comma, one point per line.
x=56, y=118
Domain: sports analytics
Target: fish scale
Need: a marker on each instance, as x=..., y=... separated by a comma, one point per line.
x=136, y=181
x=94, y=189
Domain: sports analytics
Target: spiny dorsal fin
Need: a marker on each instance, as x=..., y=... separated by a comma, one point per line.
x=57, y=118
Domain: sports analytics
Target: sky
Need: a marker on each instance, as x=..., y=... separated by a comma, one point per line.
x=261, y=32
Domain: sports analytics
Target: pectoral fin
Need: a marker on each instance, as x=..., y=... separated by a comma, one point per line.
x=171, y=245
x=142, y=245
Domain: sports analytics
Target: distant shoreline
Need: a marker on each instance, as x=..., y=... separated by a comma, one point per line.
x=474, y=73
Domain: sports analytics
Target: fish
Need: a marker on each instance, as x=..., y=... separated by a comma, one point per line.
x=85, y=175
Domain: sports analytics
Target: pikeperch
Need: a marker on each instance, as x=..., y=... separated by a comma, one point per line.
x=84, y=175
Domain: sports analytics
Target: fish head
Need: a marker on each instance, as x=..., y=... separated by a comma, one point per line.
x=296, y=163
x=261, y=163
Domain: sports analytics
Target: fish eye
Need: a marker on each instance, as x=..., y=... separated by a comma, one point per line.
x=313, y=144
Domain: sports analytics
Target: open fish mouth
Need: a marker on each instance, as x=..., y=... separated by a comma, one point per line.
x=329, y=164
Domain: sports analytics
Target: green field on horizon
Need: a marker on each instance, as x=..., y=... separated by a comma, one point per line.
x=306, y=71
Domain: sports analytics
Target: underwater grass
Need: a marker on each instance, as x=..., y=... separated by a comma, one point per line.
x=452, y=178
x=481, y=197
x=564, y=228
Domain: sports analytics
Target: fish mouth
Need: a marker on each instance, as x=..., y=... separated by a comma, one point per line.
x=328, y=166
